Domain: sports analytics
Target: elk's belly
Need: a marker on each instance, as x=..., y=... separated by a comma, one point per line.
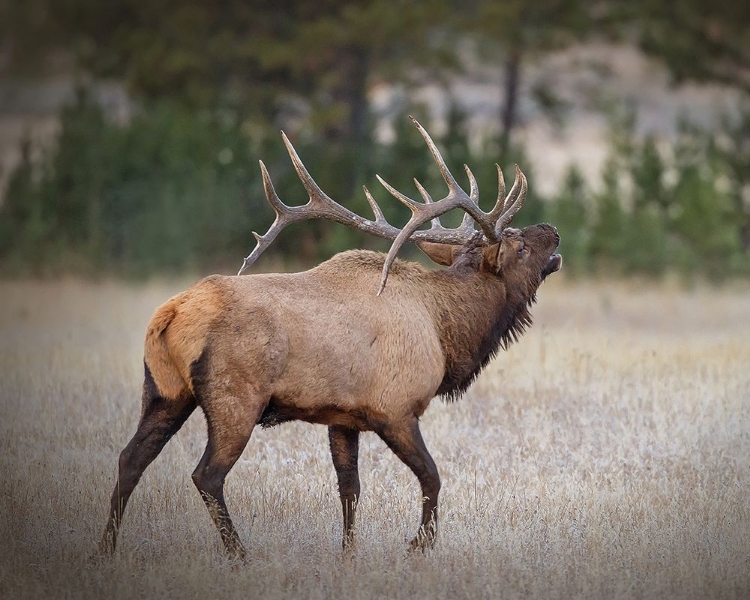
x=280, y=411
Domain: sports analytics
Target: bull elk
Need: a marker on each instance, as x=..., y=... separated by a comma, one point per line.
x=337, y=346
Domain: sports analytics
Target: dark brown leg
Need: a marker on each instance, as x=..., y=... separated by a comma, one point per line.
x=230, y=423
x=345, y=451
x=160, y=420
x=406, y=442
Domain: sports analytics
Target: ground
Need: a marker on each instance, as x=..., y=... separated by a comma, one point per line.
x=606, y=455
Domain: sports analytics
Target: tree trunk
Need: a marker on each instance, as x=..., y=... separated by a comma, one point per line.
x=509, y=108
x=351, y=91
x=745, y=236
x=350, y=135
x=356, y=94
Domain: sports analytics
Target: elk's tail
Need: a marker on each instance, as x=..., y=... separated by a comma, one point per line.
x=161, y=364
x=178, y=336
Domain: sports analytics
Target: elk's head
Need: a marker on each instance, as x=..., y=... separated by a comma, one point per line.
x=522, y=257
x=525, y=255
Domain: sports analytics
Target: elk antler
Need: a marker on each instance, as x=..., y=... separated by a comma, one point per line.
x=321, y=206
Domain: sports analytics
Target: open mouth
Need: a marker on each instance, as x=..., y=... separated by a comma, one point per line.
x=554, y=264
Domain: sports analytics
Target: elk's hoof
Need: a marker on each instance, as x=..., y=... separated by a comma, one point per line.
x=348, y=545
x=422, y=542
x=107, y=545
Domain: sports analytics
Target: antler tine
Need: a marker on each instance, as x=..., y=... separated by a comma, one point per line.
x=436, y=224
x=512, y=194
x=317, y=195
x=467, y=222
x=473, y=186
x=284, y=215
x=450, y=181
x=377, y=211
x=500, y=186
x=500, y=203
x=403, y=198
x=514, y=201
x=273, y=198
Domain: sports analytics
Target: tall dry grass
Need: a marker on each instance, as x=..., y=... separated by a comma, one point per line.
x=605, y=455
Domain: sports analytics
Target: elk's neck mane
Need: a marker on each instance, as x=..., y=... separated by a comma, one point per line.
x=477, y=315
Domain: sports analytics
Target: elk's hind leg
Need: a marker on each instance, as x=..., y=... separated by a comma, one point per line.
x=405, y=439
x=160, y=419
x=231, y=417
x=345, y=452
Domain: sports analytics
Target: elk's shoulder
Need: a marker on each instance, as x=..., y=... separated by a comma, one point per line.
x=359, y=261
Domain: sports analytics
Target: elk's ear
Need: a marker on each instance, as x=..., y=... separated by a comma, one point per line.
x=491, y=257
x=441, y=254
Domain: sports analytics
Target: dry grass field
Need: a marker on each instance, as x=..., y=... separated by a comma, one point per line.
x=607, y=455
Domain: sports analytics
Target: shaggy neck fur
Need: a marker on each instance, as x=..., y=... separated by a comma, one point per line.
x=477, y=314
x=475, y=311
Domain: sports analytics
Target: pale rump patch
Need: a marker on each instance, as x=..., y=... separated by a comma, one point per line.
x=156, y=354
x=176, y=336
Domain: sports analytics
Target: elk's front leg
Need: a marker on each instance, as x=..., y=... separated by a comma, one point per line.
x=345, y=452
x=406, y=441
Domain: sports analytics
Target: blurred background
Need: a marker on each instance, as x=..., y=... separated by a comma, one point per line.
x=130, y=131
